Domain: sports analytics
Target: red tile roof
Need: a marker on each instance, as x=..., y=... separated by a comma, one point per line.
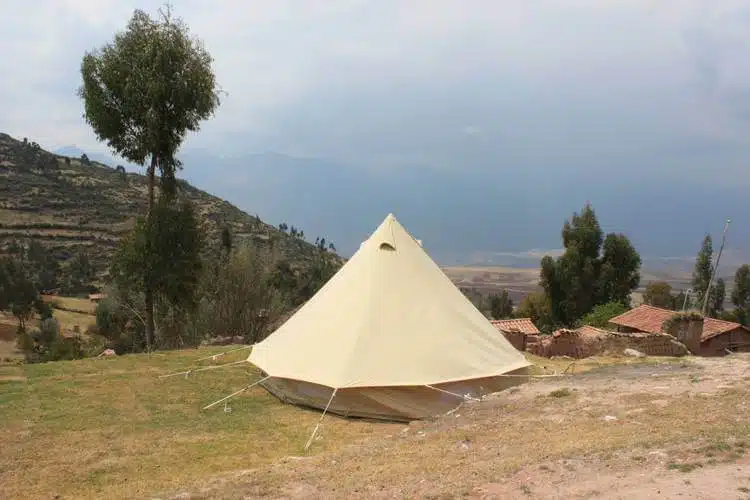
x=523, y=325
x=649, y=319
x=588, y=330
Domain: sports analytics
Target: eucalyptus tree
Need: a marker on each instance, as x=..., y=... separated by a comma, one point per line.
x=143, y=92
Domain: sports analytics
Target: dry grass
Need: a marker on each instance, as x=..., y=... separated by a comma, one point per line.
x=90, y=427
x=489, y=441
x=111, y=427
x=71, y=303
x=69, y=320
x=9, y=353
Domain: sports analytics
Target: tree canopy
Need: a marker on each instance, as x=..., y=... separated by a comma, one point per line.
x=741, y=294
x=147, y=88
x=143, y=92
x=593, y=270
x=702, y=269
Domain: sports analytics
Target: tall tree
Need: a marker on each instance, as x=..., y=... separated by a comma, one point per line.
x=741, y=294
x=18, y=295
x=176, y=237
x=80, y=273
x=143, y=92
x=702, y=270
x=620, y=270
x=537, y=307
x=659, y=294
x=716, y=298
x=584, y=276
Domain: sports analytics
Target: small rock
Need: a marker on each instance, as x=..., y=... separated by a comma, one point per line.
x=609, y=418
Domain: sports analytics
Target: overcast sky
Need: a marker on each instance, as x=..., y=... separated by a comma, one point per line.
x=656, y=86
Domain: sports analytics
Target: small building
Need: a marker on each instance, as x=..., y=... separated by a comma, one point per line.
x=517, y=331
x=718, y=337
x=96, y=297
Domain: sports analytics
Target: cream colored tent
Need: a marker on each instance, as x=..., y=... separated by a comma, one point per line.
x=389, y=336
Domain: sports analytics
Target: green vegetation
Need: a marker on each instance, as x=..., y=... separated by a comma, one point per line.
x=561, y=393
x=501, y=305
x=659, y=294
x=142, y=93
x=602, y=313
x=594, y=270
x=741, y=294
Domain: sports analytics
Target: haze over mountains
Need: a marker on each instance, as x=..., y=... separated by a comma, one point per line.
x=482, y=128
x=505, y=217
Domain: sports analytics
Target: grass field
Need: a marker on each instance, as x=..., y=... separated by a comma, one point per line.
x=111, y=428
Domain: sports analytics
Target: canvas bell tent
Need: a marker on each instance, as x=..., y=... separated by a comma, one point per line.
x=389, y=336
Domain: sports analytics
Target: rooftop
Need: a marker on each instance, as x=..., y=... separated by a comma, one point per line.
x=523, y=325
x=649, y=319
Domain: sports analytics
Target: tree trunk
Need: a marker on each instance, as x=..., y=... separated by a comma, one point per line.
x=149, y=291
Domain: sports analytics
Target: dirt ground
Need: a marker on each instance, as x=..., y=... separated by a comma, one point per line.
x=672, y=429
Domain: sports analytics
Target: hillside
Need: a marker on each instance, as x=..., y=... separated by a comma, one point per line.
x=72, y=205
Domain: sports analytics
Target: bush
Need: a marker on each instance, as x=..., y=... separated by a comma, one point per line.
x=601, y=314
x=238, y=298
x=118, y=322
x=47, y=344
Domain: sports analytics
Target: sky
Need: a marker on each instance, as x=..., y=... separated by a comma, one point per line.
x=656, y=90
x=390, y=83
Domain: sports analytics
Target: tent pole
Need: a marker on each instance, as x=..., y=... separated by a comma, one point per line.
x=315, y=431
x=235, y=393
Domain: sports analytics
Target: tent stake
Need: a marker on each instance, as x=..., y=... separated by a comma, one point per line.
x=235, y=393
x=315, y=431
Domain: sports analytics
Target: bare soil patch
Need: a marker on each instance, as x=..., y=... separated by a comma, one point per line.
x=677, y=429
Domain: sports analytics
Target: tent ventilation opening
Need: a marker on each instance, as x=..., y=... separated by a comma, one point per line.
x=387, y=246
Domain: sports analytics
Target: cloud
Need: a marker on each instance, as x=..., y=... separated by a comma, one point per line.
x=586, y=86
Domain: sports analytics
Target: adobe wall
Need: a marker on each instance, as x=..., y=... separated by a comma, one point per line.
x=576, y=345
x=686, y=329
x=516, y=338
x=651, y=344
x=737, y=341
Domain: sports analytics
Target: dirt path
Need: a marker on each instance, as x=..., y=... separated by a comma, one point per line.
x=666, y=430
x=618, y=479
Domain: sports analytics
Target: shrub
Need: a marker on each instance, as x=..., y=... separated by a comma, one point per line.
x=238, y=298
x=47, y=344
x=601, y=314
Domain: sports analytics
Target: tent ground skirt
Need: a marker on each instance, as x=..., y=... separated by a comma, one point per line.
x=396, y=403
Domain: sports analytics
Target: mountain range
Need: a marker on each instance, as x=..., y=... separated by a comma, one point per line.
x=74, y=207
x=477, y=215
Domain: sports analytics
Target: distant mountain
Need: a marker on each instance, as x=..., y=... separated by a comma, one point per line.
x=71, y=206
x=478, y=214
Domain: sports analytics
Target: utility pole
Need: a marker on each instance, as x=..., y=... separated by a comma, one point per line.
x=716, y=267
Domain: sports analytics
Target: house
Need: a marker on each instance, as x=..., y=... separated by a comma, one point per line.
x=716, y=338
x=517, y=330
x=96, y=297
